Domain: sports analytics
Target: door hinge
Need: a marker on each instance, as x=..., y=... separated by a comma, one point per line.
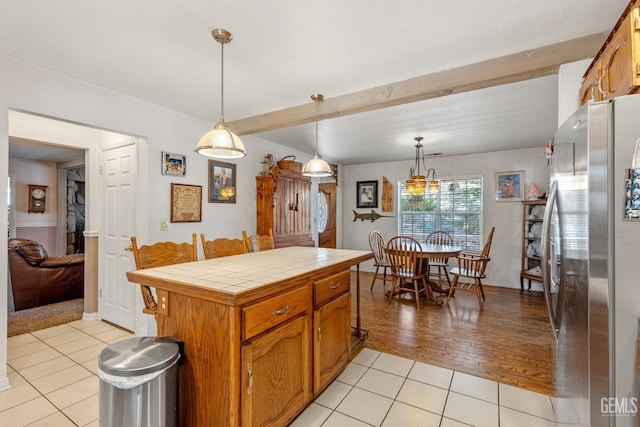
x=636, y=20
x=100, y=293
x=637, y=68
x=100, y=170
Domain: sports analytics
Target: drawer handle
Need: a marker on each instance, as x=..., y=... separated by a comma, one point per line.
x=250, y=372
x=281, y=311
x=336, y=286
x=319, y=334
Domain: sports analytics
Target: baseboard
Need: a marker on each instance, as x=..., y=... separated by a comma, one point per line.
x=90, y=316
x=4, y=384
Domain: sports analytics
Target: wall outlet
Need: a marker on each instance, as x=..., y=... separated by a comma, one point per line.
x=164, y=225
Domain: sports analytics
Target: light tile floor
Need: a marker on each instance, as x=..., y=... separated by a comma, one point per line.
x=53, y=373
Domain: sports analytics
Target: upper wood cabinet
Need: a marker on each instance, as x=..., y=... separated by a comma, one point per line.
x=284, y=205
x=615, y=70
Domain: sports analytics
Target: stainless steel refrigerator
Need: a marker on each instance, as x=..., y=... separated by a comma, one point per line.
x=591, y=262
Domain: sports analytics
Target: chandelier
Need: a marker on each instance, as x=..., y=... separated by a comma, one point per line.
x=317, y=167
x=220, y=142
x=417, y=184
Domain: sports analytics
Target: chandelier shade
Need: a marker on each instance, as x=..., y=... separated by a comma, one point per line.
x=220, y=142
x=417, y=183
x=316, y=167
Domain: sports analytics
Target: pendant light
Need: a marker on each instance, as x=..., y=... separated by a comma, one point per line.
x=316, y=167
x=220, y=142
x=416, y=184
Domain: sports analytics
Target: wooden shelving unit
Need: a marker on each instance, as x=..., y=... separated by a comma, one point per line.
x=532, y=217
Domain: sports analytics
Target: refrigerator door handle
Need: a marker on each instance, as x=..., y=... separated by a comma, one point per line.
x=547, y=258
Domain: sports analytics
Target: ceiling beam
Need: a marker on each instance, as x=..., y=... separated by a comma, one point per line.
x=507, y=69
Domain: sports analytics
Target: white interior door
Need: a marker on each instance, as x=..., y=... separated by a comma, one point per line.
x=117, y=297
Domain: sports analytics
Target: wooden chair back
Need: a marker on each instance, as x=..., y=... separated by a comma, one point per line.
x=158, y=255
x=258, y=242
x=380, y=258
x=403, y=257
x=222, y=246
x=406, y=266
x=487, y=244
x=376, y=242
x=439, y=238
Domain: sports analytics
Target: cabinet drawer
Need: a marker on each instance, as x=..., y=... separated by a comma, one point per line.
x=325, y=289
x=262, y=316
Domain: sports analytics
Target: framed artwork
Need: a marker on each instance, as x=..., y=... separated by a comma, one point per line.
x=509, y=186
x=174, y=164
x=222, y=182
x=632, y=195
x=186, y=203
x=367, y=194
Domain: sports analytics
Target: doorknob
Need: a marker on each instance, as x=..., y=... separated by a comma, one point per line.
x=128, y=248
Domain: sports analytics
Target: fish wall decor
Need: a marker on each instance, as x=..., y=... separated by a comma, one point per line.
x=371, y=216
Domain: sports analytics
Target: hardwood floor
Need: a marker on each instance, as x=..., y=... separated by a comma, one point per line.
x=509, y=340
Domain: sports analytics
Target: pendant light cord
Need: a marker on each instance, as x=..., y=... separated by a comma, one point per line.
x=222, y=82
x=317, y=103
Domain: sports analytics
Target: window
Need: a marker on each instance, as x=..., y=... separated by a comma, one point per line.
x=323, y=212
x=456, y=209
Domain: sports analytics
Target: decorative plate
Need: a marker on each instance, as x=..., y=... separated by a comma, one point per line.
x=537, y=248
x=538, y=211
x=536, y=229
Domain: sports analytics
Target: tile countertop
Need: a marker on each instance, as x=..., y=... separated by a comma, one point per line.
x=229, y=277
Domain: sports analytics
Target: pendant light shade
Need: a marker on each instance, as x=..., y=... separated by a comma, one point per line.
x=416, y=184
x=220, y=142
x=317, y=167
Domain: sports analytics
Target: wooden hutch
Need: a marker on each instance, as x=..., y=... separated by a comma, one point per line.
x=283, y=200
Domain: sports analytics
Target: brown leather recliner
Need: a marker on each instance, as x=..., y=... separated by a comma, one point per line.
x=37, y=279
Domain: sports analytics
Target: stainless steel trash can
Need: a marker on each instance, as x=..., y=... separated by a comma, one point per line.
x=139, y=382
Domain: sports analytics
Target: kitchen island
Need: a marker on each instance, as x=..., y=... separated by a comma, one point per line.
x=264, y=333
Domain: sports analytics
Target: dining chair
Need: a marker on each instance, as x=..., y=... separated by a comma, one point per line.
x=406, y=267
x=472, y=266
x=440, y=264
x=158, y=255
x=222, y=246
x=380, y=258
x=258, y=242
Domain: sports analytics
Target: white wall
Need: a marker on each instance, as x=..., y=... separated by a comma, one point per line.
x=505, y=265
x=569, y=82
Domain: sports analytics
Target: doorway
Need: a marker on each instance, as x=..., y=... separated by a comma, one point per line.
x=56, y=135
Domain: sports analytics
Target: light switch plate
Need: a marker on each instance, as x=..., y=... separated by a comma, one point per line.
x=164, y=225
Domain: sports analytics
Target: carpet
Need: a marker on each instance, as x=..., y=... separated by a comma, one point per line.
x=46, y=316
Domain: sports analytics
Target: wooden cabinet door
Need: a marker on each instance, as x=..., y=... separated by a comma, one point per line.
x=276, y=375
x=617, y=63
x=292, y=213
x=332, y=341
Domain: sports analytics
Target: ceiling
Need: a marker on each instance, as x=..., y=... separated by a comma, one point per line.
x=283, y=51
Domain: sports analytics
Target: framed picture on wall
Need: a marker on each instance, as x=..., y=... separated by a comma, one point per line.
x=367, y=194
x=174, y=164
x=222, y=182
x=509, y=186
x=186, y=203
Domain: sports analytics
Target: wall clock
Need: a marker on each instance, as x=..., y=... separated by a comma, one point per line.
x=37, y=198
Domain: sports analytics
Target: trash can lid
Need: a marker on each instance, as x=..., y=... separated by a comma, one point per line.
x=139, y=356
